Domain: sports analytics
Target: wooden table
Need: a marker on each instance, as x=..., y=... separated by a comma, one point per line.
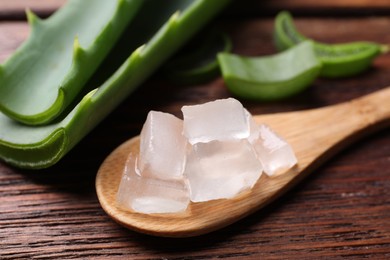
x=341, y=210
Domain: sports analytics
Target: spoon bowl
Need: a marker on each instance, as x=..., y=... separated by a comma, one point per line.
x=315, y=136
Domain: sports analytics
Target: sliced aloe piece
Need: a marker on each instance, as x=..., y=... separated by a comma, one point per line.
x=48, y=71
x=271, y=77
x=174, y=22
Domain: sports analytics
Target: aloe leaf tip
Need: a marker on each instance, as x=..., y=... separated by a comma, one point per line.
x=78, y=51
x=174, y=18
x=32, y=18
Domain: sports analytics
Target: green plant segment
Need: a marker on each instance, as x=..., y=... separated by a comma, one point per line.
x=271, y=77
x=150, y=42
x=48, y=71
x=199, y=64
x=338, y=60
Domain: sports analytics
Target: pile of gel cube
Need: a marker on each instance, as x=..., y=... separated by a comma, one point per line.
x=215, y=152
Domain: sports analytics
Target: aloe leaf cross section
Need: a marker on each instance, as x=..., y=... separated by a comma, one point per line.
x=47, y=72
x=156, y=32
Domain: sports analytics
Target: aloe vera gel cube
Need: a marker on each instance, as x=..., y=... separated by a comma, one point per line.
x=222, y=120
x=221, y=169
x=275, y=154
x=162, y=146
x=221, y=161
x=216, y=152
x=154, y=183
x=148, y=195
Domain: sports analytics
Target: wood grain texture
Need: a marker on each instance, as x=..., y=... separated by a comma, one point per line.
x=341, y=211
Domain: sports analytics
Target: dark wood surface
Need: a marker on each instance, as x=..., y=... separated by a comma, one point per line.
x=341, y=211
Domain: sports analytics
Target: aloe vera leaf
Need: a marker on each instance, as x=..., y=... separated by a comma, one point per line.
x=37, y=147
x=48, y=71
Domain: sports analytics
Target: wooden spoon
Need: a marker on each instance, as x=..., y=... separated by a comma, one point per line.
x=315, y=136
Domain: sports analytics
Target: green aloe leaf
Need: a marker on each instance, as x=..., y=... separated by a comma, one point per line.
x=48, y=71
x=159, y=28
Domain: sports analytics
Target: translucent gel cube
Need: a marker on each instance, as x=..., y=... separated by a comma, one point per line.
x=218, y=170
x=275, y=154
x=162, y=146
x=151, y=195
x=222, y=120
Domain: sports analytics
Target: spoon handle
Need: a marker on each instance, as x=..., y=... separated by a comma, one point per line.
x=329, y=129
x=360, y=116
x=374, y=108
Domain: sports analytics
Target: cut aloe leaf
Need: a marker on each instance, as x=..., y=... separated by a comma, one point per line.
x=151, y=42
x=48, y=71
x=271, y=77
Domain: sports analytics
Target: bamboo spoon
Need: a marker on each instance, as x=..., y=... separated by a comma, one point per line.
x=315, y=136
